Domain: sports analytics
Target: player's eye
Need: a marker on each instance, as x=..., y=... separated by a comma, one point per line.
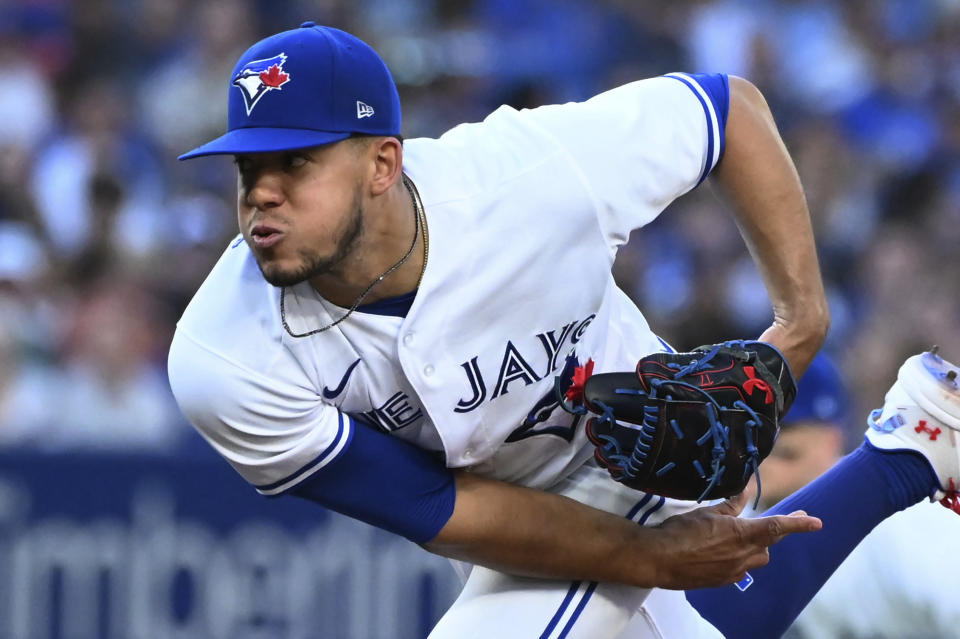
x=295, y=160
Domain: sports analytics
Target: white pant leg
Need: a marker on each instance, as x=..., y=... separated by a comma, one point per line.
x=666, y=614
x=494, y=604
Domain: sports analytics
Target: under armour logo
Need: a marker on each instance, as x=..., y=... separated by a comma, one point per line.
x=922, y=428
x=752, y=382
x=364, y=110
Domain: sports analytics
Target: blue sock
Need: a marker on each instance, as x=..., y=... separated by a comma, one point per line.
x=859, y=492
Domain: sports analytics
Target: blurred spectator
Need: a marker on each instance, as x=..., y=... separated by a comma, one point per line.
x=97, y=137
x=26, y=377
x=801, y=48
x=112, y=395
x=26, y=97
x=16, y=203
x=182, y=99
x=27, y=399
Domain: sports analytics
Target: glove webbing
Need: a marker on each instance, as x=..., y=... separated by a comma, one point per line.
x=716, y=431
x=716, y=428
x=631, y=466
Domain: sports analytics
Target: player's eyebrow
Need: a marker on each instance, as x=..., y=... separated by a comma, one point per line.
x=252, y=160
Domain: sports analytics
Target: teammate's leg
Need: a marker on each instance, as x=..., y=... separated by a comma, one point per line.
x=903, y=461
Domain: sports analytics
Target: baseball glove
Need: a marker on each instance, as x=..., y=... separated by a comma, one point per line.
x=687, y=425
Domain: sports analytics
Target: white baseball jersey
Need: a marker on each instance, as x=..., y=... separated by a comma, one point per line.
x=525, y=212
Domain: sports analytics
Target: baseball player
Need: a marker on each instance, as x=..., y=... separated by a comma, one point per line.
x=890, y=587
x=384, y=335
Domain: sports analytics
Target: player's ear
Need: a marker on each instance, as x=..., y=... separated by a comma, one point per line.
x=387, y=156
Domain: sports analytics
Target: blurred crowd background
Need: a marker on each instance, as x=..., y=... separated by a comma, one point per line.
x=104, y=236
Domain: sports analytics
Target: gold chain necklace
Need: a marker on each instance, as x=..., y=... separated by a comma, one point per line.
x=421, y=216
x=419, y=220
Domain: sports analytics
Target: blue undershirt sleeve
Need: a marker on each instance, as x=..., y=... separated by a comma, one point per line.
x=713, y=92
x=385, y=482
x=882, y=483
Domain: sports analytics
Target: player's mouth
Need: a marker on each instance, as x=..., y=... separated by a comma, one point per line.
x=263, y=236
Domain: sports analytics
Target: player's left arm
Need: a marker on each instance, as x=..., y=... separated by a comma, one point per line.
x=770, y=209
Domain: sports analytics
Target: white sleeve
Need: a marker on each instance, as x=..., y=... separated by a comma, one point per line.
x=640, y=146
x=274, y=432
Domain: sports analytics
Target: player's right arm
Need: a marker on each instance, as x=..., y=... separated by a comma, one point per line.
x=284, y=440
x=537, y=534
x=641, y=145
x=770, y=209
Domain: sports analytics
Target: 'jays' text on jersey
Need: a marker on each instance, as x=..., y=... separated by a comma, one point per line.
x=525, y=213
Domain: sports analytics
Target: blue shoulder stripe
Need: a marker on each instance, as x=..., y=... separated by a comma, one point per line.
x=713, y=92
x=340, y=442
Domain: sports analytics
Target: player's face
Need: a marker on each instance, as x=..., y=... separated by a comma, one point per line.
x=301, y=212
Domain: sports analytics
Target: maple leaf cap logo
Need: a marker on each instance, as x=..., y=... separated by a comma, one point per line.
x=274, y=77
x=259, y=77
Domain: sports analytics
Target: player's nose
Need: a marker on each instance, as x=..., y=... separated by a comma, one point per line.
x=263, y=189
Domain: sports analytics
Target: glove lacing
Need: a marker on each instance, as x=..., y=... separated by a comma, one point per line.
x=754, y=463
x=717, y=431
x=630, y=466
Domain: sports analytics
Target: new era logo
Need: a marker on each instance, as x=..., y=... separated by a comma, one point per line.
x=363, y=110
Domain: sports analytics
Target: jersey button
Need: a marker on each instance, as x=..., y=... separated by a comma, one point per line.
x=428, y=370
x=408, y=339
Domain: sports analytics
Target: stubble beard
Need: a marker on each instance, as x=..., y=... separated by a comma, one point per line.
x=312, y=263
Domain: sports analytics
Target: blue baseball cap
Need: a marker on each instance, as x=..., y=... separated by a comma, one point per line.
x=822, y=395
x=306, y=87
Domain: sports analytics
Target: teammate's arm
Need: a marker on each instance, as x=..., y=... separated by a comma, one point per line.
x=533, y=533
x=771, y=212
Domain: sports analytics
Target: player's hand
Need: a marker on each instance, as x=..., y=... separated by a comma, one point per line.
x=712, y=546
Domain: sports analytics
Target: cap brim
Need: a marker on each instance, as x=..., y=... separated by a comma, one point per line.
x=264, y=140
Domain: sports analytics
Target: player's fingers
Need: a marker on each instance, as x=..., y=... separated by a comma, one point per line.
x=767, y=531
x=732, y=506
x=758, y=559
